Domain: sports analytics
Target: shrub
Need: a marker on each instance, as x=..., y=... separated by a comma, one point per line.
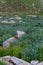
x=12, y=51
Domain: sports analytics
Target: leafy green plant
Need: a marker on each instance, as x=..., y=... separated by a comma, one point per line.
x=12, y=51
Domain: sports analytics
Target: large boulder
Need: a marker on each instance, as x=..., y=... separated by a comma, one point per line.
x=14, y=61
x=41, y=63
x=20, y=33
x=18, y=61
x=8, y=42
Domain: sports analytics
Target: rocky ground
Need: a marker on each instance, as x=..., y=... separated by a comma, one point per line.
x=16, y=61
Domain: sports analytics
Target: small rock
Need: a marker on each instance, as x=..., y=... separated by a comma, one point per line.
x=20, y=33
x=8, y=42
x=0, y=17
x=20, y=21
x=12, y=21
x=33, y=4
x=34, y=62
x=17, y=17
x=5, y=21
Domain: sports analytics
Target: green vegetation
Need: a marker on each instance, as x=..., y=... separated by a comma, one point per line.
x=28, y=47
x=2, y=63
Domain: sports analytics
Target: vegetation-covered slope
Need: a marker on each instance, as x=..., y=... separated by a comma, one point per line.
x=28, y=47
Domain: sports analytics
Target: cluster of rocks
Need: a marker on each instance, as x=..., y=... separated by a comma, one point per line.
x=12, y=39
x=16, y=61
x=11, y=19
x=14, y=19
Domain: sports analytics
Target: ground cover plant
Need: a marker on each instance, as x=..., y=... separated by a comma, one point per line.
x=29, y=46
x=2, y=63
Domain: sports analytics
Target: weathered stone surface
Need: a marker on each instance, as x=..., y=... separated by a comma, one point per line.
x=34, y=62
x=20, y=33
x=17, y=61
x=41, y=63
x=8, y=42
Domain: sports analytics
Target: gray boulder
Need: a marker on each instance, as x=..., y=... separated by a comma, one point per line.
x=18, y=61
x=8, y=42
